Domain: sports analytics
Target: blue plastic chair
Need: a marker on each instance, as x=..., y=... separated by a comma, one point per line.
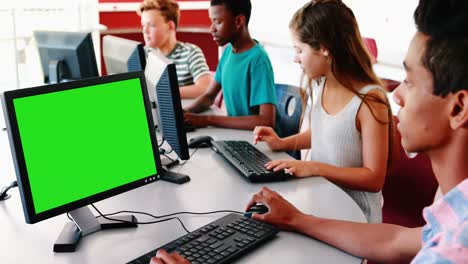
x=289, y=111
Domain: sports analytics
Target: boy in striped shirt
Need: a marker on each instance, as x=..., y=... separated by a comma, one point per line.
x=159, y=19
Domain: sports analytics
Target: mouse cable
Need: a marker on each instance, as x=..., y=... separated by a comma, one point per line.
x=176, y=160
x=172, y=162
x=169, y=151
x=193, y=152
x=138, y=223
x=162, y=142
x=171, y=216
x=105, y=216
x=163, y=151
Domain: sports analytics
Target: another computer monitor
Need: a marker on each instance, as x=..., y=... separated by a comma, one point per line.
x=66, y=56
x=161, y=77
x=72, y=147
x=122, y=55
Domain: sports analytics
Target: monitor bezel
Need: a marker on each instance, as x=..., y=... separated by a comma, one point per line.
x=157, y=61
x=18, y=155
x=116, y=41
x=178, y=113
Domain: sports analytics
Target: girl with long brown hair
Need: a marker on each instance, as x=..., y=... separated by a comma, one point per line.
x=350, y=120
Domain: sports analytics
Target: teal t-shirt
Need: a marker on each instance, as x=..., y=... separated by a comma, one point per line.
x=246, y=80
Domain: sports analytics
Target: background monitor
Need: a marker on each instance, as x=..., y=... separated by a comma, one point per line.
x=161, y=77
x=122, y=55
x=69, y=152
x=66, y=56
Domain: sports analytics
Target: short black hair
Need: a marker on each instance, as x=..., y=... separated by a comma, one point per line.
x=446, y=53
x=237, y=7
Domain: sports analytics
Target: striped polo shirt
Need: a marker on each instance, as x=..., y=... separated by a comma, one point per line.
x=190, y=63
x=445, y=235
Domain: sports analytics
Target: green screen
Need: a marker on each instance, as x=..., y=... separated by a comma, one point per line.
x=84, y=141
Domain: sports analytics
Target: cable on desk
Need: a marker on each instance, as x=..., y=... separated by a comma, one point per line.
x=177, y=213
x=165, y=155
x=170, y=151
x=105, y=216
x=162, y=142
x=175, y=161
x=193, y=152
x=140, y=223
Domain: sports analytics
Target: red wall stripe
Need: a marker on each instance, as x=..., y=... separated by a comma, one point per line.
x=190, y=18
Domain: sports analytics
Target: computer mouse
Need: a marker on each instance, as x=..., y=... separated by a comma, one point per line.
x=257, y=208
x=200, y=142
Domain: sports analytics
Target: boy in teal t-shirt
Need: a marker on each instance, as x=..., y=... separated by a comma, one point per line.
x=246, y=79
x=244, y=73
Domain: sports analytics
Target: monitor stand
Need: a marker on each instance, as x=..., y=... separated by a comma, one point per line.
x=85, y=223
x=57, y=71
x=170, y=176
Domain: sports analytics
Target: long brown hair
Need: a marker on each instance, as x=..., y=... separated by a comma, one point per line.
x=332, y=25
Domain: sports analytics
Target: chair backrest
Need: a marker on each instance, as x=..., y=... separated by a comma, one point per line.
x=410, y=186
x=289, y=109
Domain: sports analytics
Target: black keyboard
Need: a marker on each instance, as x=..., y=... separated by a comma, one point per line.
x=248, y=160
x=220, y=241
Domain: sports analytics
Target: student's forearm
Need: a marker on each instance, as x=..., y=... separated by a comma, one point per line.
x=362, y=179
x=201, y=104
x=191, y=91
x=198, y=88
x=240, y=122
x=378, y=242
x=298, y=141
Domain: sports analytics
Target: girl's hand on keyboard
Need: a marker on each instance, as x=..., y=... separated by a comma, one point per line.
x=296, y=168
x=162, y=257
x=269, y=136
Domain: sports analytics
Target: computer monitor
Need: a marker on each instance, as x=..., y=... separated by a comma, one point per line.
x=122, y=55
x=66, y=56
x=72, y=147
x=163, y=90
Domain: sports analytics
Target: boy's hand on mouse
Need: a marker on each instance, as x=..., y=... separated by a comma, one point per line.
x=269, y=136
x=298, y=168
x=280, y=213
x=196, y=120
x=162, y=257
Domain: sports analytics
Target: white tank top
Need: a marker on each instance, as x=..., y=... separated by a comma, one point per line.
x=336, y=141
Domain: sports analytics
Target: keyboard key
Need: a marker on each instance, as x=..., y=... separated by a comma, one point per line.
x=216, y=245
x=203, y=239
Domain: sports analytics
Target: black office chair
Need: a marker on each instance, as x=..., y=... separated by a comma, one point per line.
x=289, y=111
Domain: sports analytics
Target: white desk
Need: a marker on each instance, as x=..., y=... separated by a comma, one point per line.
x=214, y=185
